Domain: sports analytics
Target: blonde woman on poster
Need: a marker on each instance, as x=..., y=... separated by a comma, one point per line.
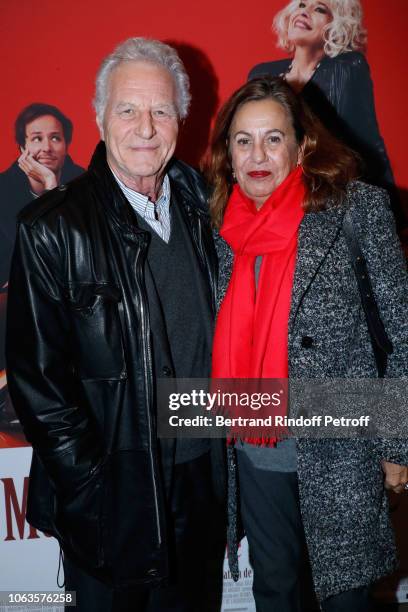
x=326, y=40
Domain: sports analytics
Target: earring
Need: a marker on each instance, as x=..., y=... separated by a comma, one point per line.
x=234, y=176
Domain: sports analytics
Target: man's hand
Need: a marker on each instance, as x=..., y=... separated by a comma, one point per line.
x=41, y=178
x=396, y=476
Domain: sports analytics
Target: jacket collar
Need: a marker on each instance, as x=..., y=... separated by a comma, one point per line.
x=188, y=187
x=109, y=193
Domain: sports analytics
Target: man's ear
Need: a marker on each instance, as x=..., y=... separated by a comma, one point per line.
x=100, y=128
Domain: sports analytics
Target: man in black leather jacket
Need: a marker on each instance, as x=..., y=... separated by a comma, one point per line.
x=112, y=286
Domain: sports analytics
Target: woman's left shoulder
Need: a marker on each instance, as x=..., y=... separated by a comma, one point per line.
x=368, y=204
x=361, y=193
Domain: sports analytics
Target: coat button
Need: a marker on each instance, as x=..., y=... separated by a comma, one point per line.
x=166, y=371
x=307, y=341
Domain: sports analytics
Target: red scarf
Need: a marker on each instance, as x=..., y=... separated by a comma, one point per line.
x=251, y=335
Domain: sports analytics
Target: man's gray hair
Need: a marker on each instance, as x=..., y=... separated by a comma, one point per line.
x=148, y=50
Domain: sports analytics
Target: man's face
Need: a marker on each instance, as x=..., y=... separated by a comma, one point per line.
x=140, y=123
x=46, y=142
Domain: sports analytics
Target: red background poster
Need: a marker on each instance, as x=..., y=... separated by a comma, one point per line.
x=51, y=50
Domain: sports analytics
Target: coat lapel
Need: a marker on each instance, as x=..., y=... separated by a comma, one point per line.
x=317, y=233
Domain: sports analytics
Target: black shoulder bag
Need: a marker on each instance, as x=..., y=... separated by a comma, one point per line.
x=381, y=343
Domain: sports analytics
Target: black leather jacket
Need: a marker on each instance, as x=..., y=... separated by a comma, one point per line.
x=80, y=370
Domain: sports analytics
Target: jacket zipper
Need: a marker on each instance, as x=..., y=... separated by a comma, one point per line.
x=147, y=359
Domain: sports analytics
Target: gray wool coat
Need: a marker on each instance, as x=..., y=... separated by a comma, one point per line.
x=343, y=503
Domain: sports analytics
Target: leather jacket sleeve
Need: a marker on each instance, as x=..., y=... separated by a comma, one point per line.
x=39, y=371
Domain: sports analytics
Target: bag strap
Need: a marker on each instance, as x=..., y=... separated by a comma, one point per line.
x=381, y=343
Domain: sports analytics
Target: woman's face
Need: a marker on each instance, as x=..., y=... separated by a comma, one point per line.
x=308, y=21
x=262, y=147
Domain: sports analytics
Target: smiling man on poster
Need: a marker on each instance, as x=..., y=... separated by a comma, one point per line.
x=112, y=287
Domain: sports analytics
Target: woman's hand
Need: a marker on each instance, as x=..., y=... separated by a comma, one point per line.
x=396, y=476
x=41, y=178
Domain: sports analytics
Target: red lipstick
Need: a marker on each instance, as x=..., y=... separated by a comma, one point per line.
x=259, y=174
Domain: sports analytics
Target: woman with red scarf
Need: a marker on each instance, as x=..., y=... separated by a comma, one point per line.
x=290, y=307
